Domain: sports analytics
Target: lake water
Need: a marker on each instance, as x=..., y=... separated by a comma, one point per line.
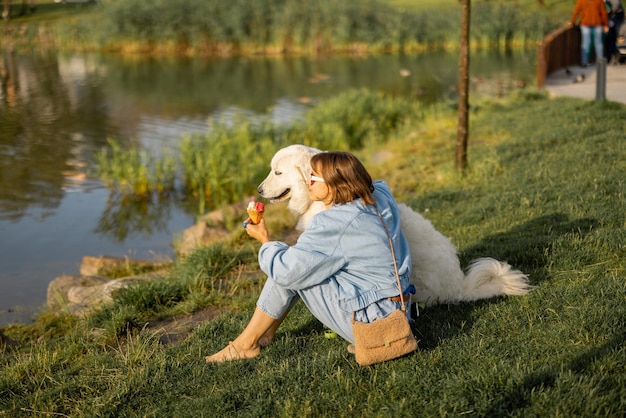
x=57, y=110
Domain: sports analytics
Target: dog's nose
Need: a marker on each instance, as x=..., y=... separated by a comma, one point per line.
x=260, y=189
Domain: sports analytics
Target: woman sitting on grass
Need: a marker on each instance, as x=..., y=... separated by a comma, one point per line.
x=341, y=263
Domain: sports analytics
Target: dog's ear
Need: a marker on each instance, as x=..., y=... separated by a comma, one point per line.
x=303, y=165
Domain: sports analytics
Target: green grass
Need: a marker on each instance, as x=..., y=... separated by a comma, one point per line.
x=545, y=191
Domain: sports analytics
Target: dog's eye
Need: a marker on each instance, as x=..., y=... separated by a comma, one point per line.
x=278, y=173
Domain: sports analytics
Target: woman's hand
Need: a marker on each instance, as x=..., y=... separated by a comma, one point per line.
x=259, y=231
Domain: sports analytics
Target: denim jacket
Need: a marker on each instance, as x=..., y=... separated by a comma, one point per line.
x=348, y=245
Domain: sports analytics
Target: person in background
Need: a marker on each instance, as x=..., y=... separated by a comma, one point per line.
x=616, y=18
x=593, y=19
x=341, y=264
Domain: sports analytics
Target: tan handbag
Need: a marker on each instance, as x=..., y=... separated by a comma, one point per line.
x=386, y=338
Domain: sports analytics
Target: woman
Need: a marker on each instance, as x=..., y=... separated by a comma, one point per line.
x=593, y=21
x=341, y=263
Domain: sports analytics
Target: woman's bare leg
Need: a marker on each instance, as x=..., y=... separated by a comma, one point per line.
x=269, y=336
x=260, y=331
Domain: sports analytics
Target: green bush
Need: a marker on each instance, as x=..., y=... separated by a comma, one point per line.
x=348, y=120
x=225, y=165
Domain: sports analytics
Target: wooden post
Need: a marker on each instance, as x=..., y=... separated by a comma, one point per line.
x=601, y=79
x=463, y=106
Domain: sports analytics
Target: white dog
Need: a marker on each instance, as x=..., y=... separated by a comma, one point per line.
x=436, y=272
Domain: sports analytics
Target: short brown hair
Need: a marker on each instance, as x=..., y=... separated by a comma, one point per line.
x=346, y=177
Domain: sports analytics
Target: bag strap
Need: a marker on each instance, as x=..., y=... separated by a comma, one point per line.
x=393, y=256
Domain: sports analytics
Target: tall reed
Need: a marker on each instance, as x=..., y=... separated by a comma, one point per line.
x=273, y=26
x=134, y=171
x=226, y=164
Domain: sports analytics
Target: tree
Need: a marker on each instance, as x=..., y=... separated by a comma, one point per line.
x=463, y=111
x=6, y=9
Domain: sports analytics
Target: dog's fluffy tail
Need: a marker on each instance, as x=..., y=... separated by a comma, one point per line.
x=487, y=278
x=437, y=274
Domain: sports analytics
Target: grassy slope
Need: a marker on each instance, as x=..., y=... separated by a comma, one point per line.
x=546, y=192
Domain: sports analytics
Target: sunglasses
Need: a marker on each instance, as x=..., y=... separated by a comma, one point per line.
x=315, y=178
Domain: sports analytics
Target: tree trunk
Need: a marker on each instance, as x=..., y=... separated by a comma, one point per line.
x=6, y=9
x=463, y=111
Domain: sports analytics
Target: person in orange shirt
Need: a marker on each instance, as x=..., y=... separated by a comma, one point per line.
x=593, y=19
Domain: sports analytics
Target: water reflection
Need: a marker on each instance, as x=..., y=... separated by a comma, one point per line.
x=43, y=145
x=124, y=216
x=56, y=110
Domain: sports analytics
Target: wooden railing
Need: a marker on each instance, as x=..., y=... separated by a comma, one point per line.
x=560, y=49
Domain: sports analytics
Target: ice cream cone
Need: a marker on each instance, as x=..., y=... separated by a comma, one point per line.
x=255, y=216
x=255, y=211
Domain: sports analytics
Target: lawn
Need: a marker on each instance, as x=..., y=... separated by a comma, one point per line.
x=542, y=192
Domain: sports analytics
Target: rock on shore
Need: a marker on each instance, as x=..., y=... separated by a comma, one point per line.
x=77, y=294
